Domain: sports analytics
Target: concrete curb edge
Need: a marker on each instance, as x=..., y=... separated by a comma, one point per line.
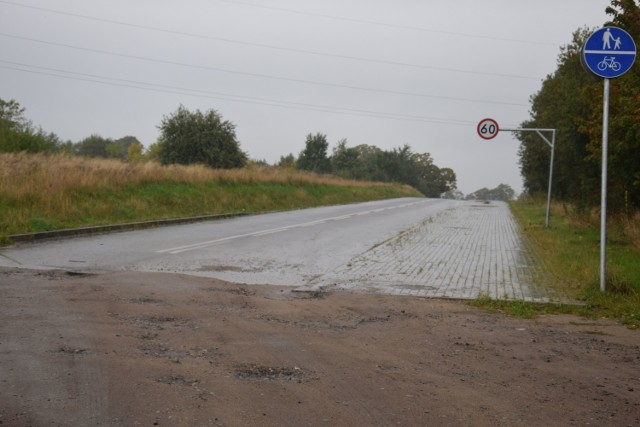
x=68, y=232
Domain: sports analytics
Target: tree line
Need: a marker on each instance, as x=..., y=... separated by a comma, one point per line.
x=502, y=192
x=571, y=101
x=189, y=137
x=18, y=134
x=370, y=163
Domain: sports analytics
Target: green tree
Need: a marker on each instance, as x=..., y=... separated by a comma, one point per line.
x=134, y=152
x=397, y=165
x=18, y=134
x=564, y=103
x=502, y=192
x=369, y=163
x=287, y=162
x=11, y=115
x=93, y=146
x=366, y=168
x=195, y=137
x=624, y=120
x=153, y=152
x=314, y=156
x=119, y=149
x=344, y=160
x=570, y=100
x=29, y=140
x=432, y=180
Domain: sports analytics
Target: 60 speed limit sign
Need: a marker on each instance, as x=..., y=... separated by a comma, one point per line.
x=488, y=128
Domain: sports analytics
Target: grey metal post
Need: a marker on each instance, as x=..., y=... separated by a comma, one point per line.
x=552, y=145
x=553, y=150
x=603, y=207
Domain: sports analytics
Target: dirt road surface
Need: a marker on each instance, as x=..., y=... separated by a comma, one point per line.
x=134, y=349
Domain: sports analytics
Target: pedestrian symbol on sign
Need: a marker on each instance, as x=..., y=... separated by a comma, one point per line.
x=609, y=52
x=606, y=39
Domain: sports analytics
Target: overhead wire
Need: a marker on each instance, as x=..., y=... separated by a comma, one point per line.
x=388, y=25
x=269, y=46
x=266, y=76
x=255, y=100
x=93, y=78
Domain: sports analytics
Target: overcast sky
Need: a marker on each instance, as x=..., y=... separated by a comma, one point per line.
x=377, y=72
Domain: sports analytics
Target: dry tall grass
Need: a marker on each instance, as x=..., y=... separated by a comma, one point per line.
x=622, y=224
x=29, y=174
x=631, y=226
x=43, y=192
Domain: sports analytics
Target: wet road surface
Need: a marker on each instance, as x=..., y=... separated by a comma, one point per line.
x=422, y=247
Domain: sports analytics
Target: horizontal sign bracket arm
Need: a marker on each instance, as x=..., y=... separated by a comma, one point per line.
x=538, y=131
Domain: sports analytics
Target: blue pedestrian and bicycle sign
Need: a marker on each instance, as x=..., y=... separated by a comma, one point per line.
x=609, y=52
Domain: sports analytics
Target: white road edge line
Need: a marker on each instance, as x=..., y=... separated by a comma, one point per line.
x=202, y=245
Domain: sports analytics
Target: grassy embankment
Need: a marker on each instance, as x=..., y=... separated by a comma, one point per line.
x=50, y=192
x=570, y=249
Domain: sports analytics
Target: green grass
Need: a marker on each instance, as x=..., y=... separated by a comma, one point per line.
x=44, y=192
x=523, y=309
x=570, y=250
x=100, y=205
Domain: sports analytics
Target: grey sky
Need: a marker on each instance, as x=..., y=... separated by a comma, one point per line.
x=378, y=72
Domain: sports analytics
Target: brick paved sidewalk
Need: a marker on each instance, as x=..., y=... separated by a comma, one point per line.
x=473, y=250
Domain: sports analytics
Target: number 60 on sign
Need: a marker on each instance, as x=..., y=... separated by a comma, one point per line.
x=488, y=129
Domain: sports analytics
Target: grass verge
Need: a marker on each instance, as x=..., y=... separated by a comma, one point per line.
x=51, y=192
x=570, y=249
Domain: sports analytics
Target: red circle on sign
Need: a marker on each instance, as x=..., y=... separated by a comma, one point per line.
x=488, y=128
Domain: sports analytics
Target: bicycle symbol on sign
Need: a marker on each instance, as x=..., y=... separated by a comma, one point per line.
x=609, y=62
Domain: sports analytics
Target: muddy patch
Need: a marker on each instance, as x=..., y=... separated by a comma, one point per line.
x=233, y=268
x=250, y=371
x=175, y=379
x=158, y=322
x=146, y=300
x=166, y=351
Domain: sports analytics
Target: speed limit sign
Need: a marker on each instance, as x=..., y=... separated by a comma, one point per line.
x=488, y=128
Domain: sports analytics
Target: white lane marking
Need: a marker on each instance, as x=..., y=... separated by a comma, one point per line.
x=202, y=245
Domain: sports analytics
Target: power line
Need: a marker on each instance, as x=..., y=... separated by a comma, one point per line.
x=386, y=24
x=266, y=76
x=70, y=75
x=268, y=46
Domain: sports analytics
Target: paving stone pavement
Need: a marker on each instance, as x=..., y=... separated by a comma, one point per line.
x=473, y=250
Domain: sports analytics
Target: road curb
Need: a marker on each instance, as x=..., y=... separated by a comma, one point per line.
x=69, y=232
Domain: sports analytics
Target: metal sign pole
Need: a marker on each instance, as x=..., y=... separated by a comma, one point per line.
x=608, y=53
x=603, y=208
x=553, y=151
x=552, y=145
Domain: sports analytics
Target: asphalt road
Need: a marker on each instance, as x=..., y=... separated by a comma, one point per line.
x=409, y=246
x=285, y=248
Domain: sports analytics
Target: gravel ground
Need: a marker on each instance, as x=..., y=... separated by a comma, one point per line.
x=127, y=349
